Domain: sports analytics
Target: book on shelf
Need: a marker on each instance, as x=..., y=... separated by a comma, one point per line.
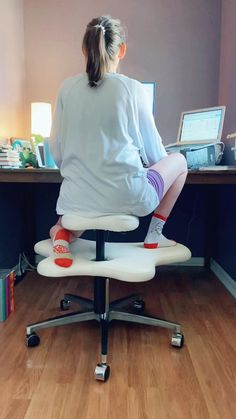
x=9, y=158
x=10, y=166
x=9, y=154
x=7, y=301
x=8, y=162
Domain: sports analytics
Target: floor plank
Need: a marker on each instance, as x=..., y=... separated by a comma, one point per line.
x=149, y=379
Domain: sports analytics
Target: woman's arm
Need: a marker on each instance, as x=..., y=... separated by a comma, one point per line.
x=54, y=140
x=150, y=139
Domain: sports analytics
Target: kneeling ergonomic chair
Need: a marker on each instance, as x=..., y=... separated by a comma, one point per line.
x=129, y=262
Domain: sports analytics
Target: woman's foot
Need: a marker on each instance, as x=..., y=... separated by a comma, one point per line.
x=61, y=250
x=164, y=242
x=154, y=231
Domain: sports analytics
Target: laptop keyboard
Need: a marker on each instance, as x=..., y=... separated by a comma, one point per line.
x=177, y=148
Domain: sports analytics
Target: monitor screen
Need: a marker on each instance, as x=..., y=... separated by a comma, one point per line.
x=201, y=125
x=150, y=88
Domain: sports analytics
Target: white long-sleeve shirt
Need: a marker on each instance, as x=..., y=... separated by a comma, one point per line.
x=97, y=138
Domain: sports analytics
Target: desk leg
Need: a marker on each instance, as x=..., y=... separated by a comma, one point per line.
x=211, y=223
x=29, y=222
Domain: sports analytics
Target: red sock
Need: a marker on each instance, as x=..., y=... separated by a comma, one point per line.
x=62, y=254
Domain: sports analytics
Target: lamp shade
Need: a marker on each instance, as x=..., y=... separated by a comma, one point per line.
x=41, y=118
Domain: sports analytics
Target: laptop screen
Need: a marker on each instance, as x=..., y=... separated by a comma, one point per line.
x=150, y=88
x=202, y=125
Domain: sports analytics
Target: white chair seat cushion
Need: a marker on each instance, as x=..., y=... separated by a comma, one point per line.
x=129, y=262
x=117, y=223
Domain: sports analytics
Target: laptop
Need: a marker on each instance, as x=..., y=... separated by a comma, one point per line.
x=199, y=127
x=199, y=137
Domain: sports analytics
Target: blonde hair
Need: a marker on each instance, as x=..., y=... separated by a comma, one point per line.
x=101, y=42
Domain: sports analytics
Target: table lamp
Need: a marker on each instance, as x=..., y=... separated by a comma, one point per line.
x=41, y=121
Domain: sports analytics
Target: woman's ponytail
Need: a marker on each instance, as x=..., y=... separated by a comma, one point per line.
x=101, y=43
x=96, y=55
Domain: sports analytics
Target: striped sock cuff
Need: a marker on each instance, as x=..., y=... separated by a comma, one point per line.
x=161, y=217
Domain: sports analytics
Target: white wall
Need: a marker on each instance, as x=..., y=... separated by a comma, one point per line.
x=12, y=69
x=175, y=43
x=227, y=79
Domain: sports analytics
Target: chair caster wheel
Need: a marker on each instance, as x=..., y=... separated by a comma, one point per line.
x=102, y=372
x=32, y=340
x=139, y=305
x=64, y=305
x=177, y=340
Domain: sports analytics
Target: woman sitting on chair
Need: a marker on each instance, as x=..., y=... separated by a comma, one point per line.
x=106, y=144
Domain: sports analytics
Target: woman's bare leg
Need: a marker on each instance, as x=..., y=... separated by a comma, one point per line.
x=73, y=234
x=173, y=170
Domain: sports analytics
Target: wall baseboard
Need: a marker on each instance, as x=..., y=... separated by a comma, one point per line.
x=220, y=273
x=223, y=277
x=194, y=261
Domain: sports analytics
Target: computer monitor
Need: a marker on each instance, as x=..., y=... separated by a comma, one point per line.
x=201, y=125
x=150, y=88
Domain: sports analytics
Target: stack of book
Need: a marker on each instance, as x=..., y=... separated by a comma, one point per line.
x=9, y=158
x=7, y=302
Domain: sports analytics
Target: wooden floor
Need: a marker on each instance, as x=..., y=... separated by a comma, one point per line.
x=149, y=379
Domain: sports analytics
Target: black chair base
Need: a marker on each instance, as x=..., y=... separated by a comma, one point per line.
x=103, y=312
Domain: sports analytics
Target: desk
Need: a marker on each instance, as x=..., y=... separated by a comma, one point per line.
x=195, y=177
